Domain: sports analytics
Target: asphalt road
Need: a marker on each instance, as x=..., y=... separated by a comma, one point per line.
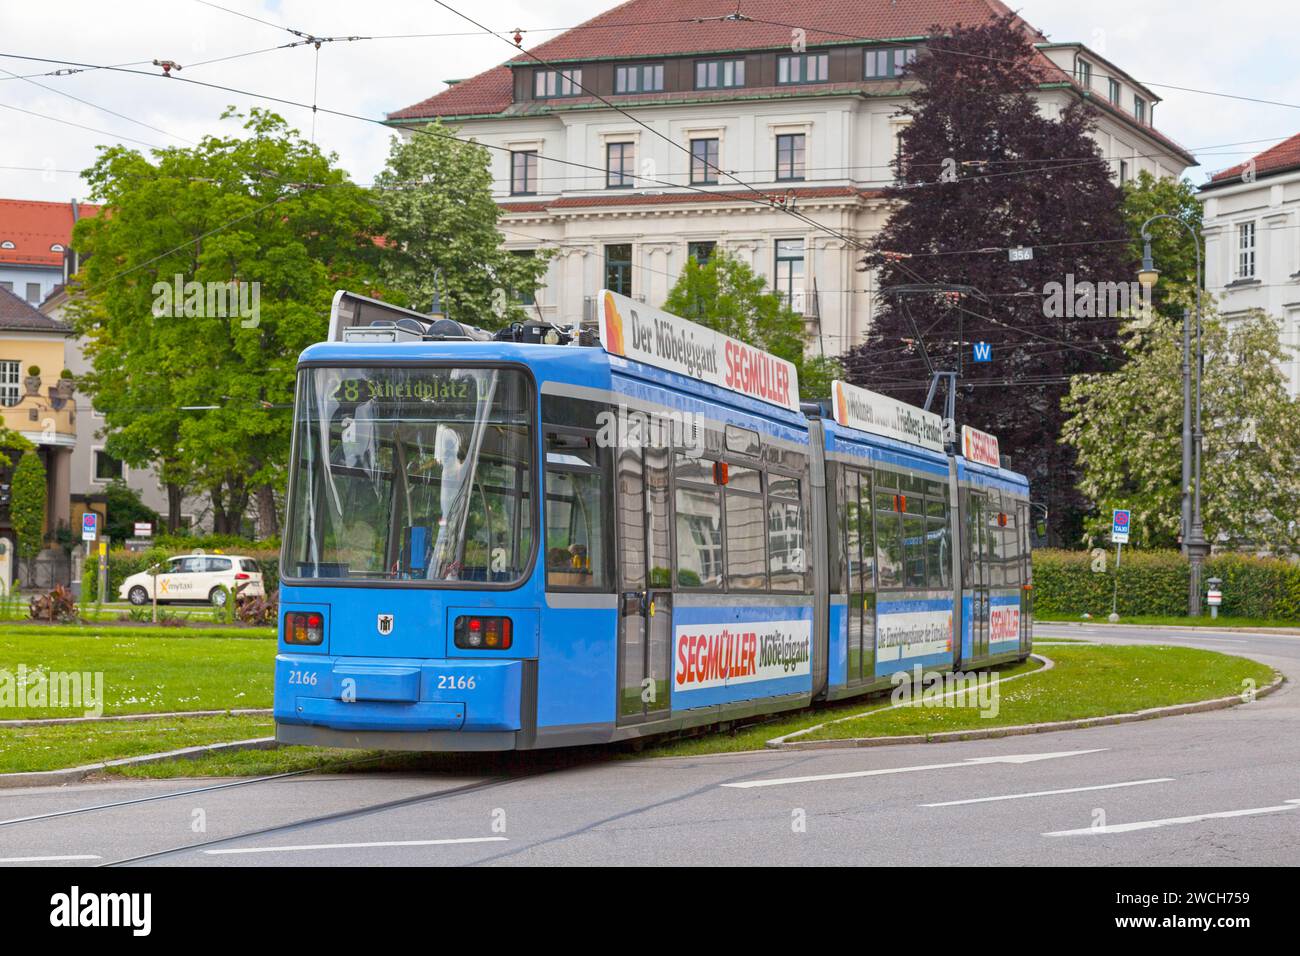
x=1216, y=788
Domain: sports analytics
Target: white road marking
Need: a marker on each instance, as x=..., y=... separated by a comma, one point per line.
x=968, y=762
x=46, y=859
x=1048, y=793
x=352, y=846
x=1174, y=821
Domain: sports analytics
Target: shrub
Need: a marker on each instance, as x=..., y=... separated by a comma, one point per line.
x=1155, y=583
x=56, y=606
x=27, y=504
x=258, y=610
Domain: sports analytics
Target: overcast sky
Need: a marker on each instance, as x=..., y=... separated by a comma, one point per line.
x=1247, y=49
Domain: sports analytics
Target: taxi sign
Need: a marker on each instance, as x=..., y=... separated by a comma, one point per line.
x=89, y=526
x=1119, y=526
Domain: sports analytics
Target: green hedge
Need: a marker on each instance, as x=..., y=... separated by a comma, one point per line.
x=122, y=564
x=1155, y=582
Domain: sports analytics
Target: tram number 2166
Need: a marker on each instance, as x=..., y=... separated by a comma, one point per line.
x=456, y=682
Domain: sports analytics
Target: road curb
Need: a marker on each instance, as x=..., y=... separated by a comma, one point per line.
x=1185, y=628
x=59, y=721
x=1151, y=713
x=55, y=778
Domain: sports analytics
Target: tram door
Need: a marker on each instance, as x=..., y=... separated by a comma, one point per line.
x=645, y=598
x=979, y=583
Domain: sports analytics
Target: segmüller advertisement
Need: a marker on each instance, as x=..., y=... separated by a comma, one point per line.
x=726, y=654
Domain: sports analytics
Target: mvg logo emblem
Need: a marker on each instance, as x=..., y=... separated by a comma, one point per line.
x=385, y=624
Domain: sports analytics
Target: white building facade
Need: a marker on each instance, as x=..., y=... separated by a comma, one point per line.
x=741, y=130
x=1252, y=242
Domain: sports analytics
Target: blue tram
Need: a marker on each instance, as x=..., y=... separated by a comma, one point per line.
x=537, y=540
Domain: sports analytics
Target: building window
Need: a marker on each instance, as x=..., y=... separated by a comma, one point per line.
x=789, y=272
x=719, y=74
x=107, y=468
x=701, y=251
x=790, y=155
x=1123, y=172
x=648, y=78
x=881, y=64
x=10, y=394
x=523, y=172
x=1114, y=91
x=524, y=296
x=1139, y=109
x=7, y=244
x=7, y=285
x=704, y=162
x=34, y=292
x=1246, y=250
x=552, y=83
x=619, y=159
x=803, y=68
x=618, y=268
x=1083, y=73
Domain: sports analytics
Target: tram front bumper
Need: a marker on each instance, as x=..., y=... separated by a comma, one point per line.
x=383, y=694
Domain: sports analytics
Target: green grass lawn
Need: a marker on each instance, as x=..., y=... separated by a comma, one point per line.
x=1171, y=621
x=73, y=745
x=1086, y=682
x=145, y=670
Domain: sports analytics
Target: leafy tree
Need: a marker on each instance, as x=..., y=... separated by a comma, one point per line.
x=981, y=169
x=124, y=509
x=27, y=495
x=1127, y=429
x=205, y=395
x=1172, y=247
x=727, y=295
x=441, y=239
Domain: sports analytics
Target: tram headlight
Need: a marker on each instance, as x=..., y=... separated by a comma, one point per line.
x=304, y=627
x=473, y=632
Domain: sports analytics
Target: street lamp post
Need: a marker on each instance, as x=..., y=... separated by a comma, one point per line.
x=1194, y=544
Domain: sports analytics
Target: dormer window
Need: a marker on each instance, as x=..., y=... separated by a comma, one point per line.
x=7, y=244
x=1083, y=74
x=552, y=83
x=645, y=78
x=57, y=247
x=1139, y=109
x=882, y=64
x=803, y=68
x=719, y=74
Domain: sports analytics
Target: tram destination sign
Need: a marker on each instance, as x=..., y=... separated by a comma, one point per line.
x=869, y=411
x=637, y=331
x=980, y=446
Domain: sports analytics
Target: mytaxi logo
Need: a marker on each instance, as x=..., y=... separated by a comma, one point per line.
x=613, y=327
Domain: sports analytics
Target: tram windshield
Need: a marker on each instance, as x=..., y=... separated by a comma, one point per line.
x=411, y=474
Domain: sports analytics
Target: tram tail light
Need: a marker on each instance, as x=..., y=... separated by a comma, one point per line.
x=304, y=627
x=483, y=633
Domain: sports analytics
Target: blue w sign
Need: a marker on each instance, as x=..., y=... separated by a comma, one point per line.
x=983, y=352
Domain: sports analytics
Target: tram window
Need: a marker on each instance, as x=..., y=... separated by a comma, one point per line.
x=889, y=542
x=868, y=540
x=656, y=483
x=631, y=505
x=412, y=474
x=783, y=486
x=746, y=544
x=577, y=523
x=938, y=556
x=744, y=479
x=699, y=470
x=742, y=441
x=699, y=537
x=886, y=479
x=787, y=559
x=914, y=551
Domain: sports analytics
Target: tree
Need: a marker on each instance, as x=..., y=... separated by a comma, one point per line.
x=124, y=509
x=727, y=295
x=27, y=505
x=1126, y=427
x=198, y=378
x=440, y=229
x=982, y=169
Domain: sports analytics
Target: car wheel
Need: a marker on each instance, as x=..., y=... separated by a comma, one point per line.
x=218, y=597
x=138, y=596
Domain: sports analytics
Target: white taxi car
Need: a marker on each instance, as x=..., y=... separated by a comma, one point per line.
x=196, y=577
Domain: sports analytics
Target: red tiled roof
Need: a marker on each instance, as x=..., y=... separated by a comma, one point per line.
x=35, y=226
x=1285, y=155
x=668, y=27
x=746, y=196
x=16, y=314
